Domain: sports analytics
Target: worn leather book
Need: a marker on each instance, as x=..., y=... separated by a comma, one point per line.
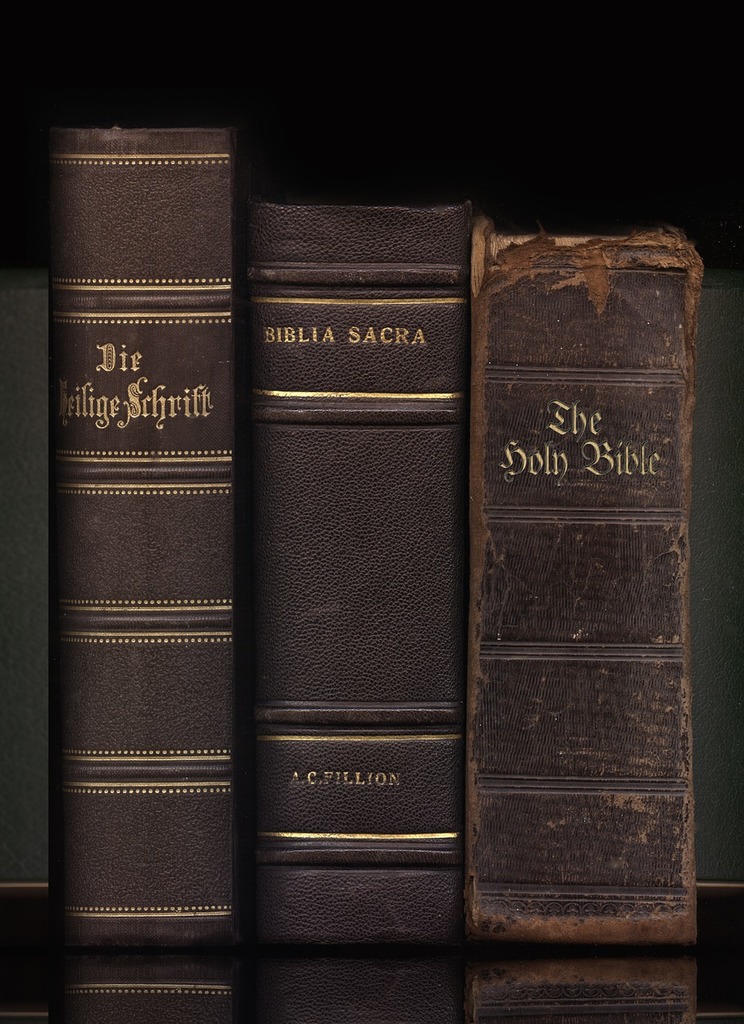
x=717, y=585
x=24, y=504
x=579, y=799
x=358, y=320
x=134, y=989
x=631, y=991
x=340, y=989
x=144, y=314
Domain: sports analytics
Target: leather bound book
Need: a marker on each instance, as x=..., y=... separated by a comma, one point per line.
x=563, y=991
x=379, y=990
x=358, y=320
x=579, y=798
x=133, y=989
x=144, y=313
x=24, y=691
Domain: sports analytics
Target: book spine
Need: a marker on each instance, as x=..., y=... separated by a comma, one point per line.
x=358, y=336
x=579, y=752
x=143, y=306
x=634, y=990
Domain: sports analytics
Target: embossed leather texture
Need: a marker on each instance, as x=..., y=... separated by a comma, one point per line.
x=358, y=332
x=580, y=810
x=144, y=314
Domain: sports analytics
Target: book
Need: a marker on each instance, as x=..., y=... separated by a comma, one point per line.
x=634, y=990
x=358, y=326
x=147, y=989
x=24, y=792
x=716, y=583
x=144, y=307
x=579, y=799
x=338, y=989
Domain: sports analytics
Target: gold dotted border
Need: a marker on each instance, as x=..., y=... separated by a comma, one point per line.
x=72, y=751
x=66, y=638
x=173, y=989
x=147, y=454
x=142, y=280
x=193, y=318
x=126, y=789
x=198, y=908
x=160, y=602
x=155, y=489
x=139, y=160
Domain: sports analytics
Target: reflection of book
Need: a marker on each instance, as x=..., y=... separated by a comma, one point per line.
x=24, y=602
x=339, y=990
x=143, y=249
x=359, y=330
x=579, y=794
x=135, y=989
x=632, y=991
x=717, y=578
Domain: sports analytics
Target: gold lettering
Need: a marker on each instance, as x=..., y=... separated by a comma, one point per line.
x=401, y=335
x=418, y=338
x=354, y=335
x=386, y=335
x=577, y=420
x=370, y=335
x=328, y=335
x=108, y=357
x=269, y=334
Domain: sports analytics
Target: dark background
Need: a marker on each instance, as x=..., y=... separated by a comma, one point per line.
x=529, y=152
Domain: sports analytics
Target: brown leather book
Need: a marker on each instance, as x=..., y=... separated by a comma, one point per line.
x=562, y=991
x=144, y=313
x=579, y=798
x=358, y=335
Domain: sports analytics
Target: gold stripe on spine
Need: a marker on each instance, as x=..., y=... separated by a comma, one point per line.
x=177, y=158
x=178, y=487
x=277, y=301
x=137, y=605
x=165, y=453
x=144, y=287
x=146, y=459
x=181, y=316
x=393, y=738
x=391, y=395
x=147, y=788
x=144, y=758
x=197, y=636
x=378, y=836
x=215, y=910
x=127, y=988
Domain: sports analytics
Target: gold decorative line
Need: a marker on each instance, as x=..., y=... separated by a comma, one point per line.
x=127, y=157
x=215, y=910
x=70, y=751
x=176, y=316
x=360, y=394
x=174, y=988
x=142, y=490
x=145, y=758
x=147, y=460
x=65, y=282
x=157, y=454
x=276, y=300
x=134, y=605
x=147, y=788
x=150, y=636
x=162, y=286
x=382, y=836
x=394, y=738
